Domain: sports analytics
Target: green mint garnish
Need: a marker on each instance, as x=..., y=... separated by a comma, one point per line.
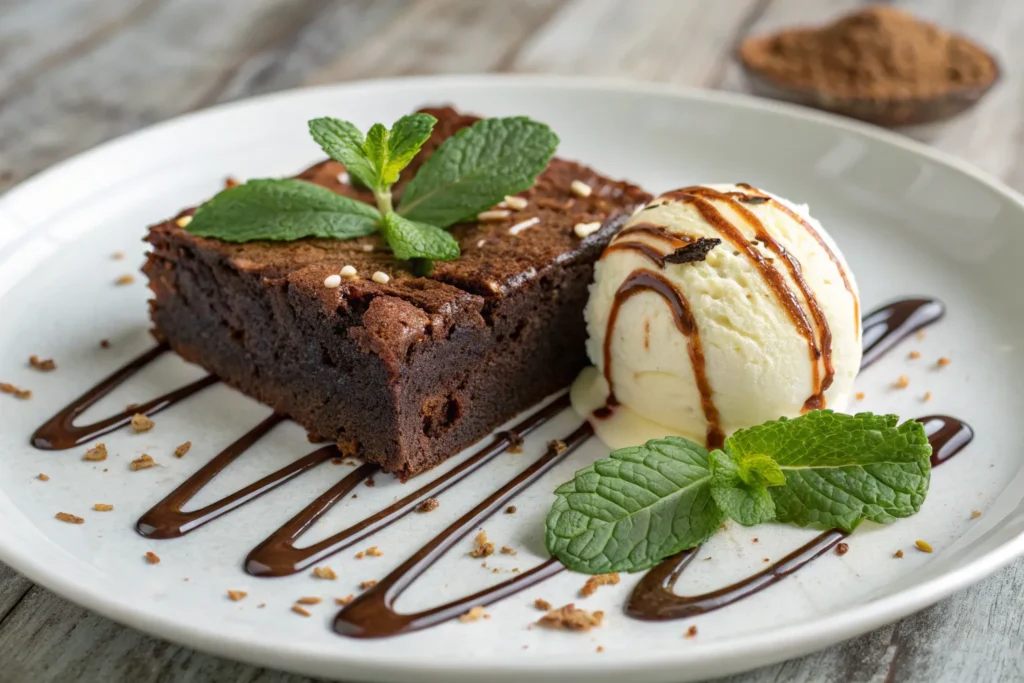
x=282, y=210
x=470, y=172
x=841, y=469
x=409, y=239
x=475, y=168
x=823, y=469
x=631, y=510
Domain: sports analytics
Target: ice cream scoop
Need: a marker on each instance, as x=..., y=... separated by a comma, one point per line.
x=715, y=308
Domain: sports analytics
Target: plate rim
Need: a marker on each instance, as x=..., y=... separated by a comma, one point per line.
x=758, y=649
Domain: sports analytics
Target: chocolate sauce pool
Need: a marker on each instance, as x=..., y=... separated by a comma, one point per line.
x=372, y=614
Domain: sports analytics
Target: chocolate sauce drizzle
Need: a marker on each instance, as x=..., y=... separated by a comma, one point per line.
x=372, y=614
x=60, y=433
x=654, y=599
x=278, y=556
x=891, y=324
x=642, y=280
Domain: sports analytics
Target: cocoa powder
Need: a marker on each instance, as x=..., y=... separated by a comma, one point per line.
x=878, y=52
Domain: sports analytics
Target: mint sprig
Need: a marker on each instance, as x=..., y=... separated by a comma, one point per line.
x=629, y=511
x=468, y=173
x=475, y=168
x=282, y=210
x=823, y=469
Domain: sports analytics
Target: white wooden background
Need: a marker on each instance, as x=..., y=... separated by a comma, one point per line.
x=74, y=73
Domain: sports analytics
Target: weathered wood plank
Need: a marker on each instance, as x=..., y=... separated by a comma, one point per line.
x=13, y=588
x=656, y=40
x=176, y=58
x=48, y=639
x=443, y=36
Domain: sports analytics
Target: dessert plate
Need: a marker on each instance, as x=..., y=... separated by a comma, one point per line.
x=910, y=221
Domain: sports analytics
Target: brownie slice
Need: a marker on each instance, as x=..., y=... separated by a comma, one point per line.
x=407, y=372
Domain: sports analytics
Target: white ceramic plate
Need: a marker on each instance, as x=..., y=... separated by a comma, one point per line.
x=909, y=220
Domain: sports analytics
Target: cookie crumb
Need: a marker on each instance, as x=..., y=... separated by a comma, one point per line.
x=429, y=505
x=902, y=382
x=370, y=482
x=97, y=453
x=923, y=546
x=17, y=392
x=124, y=280
x=483, y=548
x=299, y=609
x=44, y=477
x=360, y=555
x=42, y=365
x=181, y=450
x=474, y=614
x=143, y=462
x=237, y=595
x=569, y=618
x=510, y=510
x=755, y=539
x=505, y=550
x=152, y=557
x=308, y=600
x=557, y=446
x=345, y=600
x=230, y=182
x=69, y=518
x=102, y=507
x=927, y=396
x=600, y=649
x=914, y=355
x=373, y=551
x=594, y=582
x=324, y=573
x=859, y=396
x=842, y=548
x=117, y=255
x=365, y=585
x=943, y=362
x=542, y=604
x=898, y=554
x=141, y=423
x=974, y=513
x=691, y=632
x=104, y=343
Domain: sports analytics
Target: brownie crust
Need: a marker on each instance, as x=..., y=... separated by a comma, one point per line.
x=407, y=372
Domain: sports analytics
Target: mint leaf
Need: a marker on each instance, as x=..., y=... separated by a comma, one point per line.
x=841, y=469
x=748, y=503
x=391, y=151
x=412, y=240
x=760, y=470
x=629, y=511
x=475, y=168
x=282, y=210
x=343, y=142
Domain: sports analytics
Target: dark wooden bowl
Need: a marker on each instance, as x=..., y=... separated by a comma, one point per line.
x=890, y=113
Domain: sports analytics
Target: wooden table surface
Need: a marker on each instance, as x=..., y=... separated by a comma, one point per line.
x=74, y=73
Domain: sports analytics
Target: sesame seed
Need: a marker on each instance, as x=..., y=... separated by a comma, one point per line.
x=349, y=272
x=184, y=221
x=381, y=278
x=102, y=507
x=580, y=188
x=493, y=215
x=517, y=203
x=519, y=227
x=975, y=514
x=480, y=244
x=585, y=229
x=343, y=178
x=332, y=281
x=367, y=248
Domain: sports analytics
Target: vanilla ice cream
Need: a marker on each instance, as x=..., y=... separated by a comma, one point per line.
x=698, y=338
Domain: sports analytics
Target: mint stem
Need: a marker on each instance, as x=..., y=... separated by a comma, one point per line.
x=383, y=198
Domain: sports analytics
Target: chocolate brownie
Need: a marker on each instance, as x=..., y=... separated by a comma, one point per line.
x=408, y=371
